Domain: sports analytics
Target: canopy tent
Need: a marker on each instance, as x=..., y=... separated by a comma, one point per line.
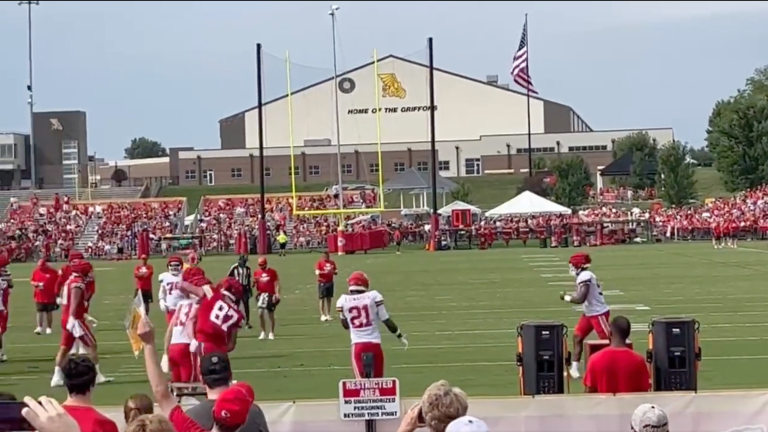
x=418, y=184
x=528, y=203
x=458, y=205
x=622, y=167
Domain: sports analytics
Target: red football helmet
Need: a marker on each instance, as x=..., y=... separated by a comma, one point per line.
x=75, y=255
x=262, y=262
x=192, y=273
x=230, y=285
x=81, y=267
x=358, y=281
x=175, y=265
x=579, y=262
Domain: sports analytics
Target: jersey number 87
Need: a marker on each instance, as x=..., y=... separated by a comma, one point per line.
x=223, y=315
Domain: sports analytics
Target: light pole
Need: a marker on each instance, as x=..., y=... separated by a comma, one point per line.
x=31, y=99
x=333, y=12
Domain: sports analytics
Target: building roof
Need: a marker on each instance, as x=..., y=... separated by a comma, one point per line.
x=412, y=179
x=370, y=63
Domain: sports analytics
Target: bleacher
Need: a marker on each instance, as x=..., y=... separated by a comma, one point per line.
x=46, y=195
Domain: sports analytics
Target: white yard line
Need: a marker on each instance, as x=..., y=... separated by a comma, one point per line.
x=539, y=256
x=560, y=275
x=545, y=263
x=752, y=250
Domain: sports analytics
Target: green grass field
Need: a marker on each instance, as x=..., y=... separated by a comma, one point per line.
x=460, y=310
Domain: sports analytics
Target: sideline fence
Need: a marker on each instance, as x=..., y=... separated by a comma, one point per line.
x=701, y=412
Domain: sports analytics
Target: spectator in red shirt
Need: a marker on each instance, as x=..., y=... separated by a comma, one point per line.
x=325, y=269
x=230, y=410
x=143, y=275
x=617, y=368
x=267, y=284
x=80, y=379
x=44, y=281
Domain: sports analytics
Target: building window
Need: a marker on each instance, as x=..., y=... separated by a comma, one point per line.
x=70, y=182
x=373, y=168
x=472, y=167
x=6, y=151
x=69, y=157
x=422, y=166
x=267, y=172
x=314, y=170
x=190, y=175
x=69, y=170
x=536, y=150
x=346, y=169
x=588, y=148
x=296, y=171
x=236, y=173
x=69, y=146
x=399, y=167
x=444, y=165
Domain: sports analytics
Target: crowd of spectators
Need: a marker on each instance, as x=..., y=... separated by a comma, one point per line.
x=621, y=194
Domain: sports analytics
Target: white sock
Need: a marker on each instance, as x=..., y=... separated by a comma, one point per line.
x=98, y=371
x=57, y=372
x=575, y=364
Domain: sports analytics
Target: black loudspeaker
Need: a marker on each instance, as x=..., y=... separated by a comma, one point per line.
x=674, y=354
x=542, y=356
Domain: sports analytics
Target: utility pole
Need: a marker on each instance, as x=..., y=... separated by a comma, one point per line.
x=31, y=98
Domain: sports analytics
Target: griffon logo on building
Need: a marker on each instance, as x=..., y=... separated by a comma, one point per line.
x=391, y=87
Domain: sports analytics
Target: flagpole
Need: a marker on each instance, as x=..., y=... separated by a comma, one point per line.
x=528, y=100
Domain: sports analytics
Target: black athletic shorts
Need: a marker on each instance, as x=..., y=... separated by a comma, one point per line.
x=46, y=307
x=146, y=296
x=282, y=246
x=267, y=302
x=325, y=290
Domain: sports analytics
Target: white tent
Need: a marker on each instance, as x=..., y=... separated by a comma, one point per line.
x=528, y=203
x=458, y=205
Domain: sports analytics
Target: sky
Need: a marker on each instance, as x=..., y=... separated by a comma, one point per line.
x=170, y=70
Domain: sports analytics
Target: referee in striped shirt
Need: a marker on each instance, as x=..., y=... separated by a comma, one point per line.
x=242, y=272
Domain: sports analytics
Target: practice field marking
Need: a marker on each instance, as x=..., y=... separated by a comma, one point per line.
x=560, y=283
x=551, y=268
x=531, y=260
x=613, y=292
x=545, y=263
x=752, y=250
x=621, y=307
x=539, y=256
x=104, y=268
x=549, y=275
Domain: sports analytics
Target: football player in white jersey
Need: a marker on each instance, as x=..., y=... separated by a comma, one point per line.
x=360, y=312
x=596, y=315
x=178, y=358
x=170, y=281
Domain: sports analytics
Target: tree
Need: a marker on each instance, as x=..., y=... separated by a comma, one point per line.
x=737, y=135
x=540, y=164
x=644, y=151
x=462, y=192
x=702, y=156
x=572, y=181
x=676, y=174
x=144, y=148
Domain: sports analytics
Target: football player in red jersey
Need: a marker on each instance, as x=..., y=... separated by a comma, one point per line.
x=65, y=271
x=6, y=284
x=76, y=294
x=267, y=284
x=596, y=311
x=218, y=317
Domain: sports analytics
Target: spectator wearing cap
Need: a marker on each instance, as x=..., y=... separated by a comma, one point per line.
x=649, y=418
x=216, y=373
x=617, y=368
x=467, y=424
x=230, y=409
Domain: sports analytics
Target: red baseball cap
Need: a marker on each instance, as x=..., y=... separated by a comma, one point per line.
x=233, y=405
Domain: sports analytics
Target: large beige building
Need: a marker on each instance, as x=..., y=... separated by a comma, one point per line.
x=481, y=128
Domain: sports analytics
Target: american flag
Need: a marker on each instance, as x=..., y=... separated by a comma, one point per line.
x=520, y=63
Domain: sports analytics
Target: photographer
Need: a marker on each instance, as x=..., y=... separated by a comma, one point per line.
x=242, y=272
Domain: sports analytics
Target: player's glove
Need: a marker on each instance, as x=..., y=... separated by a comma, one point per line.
x=59, y=301
x=74, y=327
x=193, y=346
x=163, y=306
x=92, y=320
x=402, y=339
x=164, y=363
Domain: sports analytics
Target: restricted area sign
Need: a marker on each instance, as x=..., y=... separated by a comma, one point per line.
x=369, y=399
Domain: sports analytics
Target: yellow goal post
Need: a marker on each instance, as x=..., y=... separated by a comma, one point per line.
x=380, y=185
